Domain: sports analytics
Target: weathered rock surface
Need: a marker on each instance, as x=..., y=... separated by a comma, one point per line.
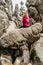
x=19, y=35
x=37, y=52
x=9, y=7
x=24, y=45
x=35, y=8
x=5, y=15
x=4, y=22
x=5, y=60
x=17, y=21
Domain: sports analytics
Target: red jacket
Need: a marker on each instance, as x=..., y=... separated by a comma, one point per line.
x=26, y=21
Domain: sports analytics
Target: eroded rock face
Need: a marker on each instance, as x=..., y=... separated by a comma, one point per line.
x=37, y=4
x=4, y=22
x=19, y=36
x=17, y=21
x=5, y=14
x=5, y=60
x=16, y=38
x=37, y=52
x=35, y=10
x=9, y=7
x=16, y=42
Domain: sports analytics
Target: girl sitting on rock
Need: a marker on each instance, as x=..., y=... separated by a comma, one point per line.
x=26, y=20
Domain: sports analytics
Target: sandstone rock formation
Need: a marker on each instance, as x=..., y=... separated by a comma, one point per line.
x=9, y=7
x=21, y=46
x=35, y=9
x=17, y=36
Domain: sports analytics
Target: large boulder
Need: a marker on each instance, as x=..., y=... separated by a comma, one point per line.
x=37, y=52
x=19, y=36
